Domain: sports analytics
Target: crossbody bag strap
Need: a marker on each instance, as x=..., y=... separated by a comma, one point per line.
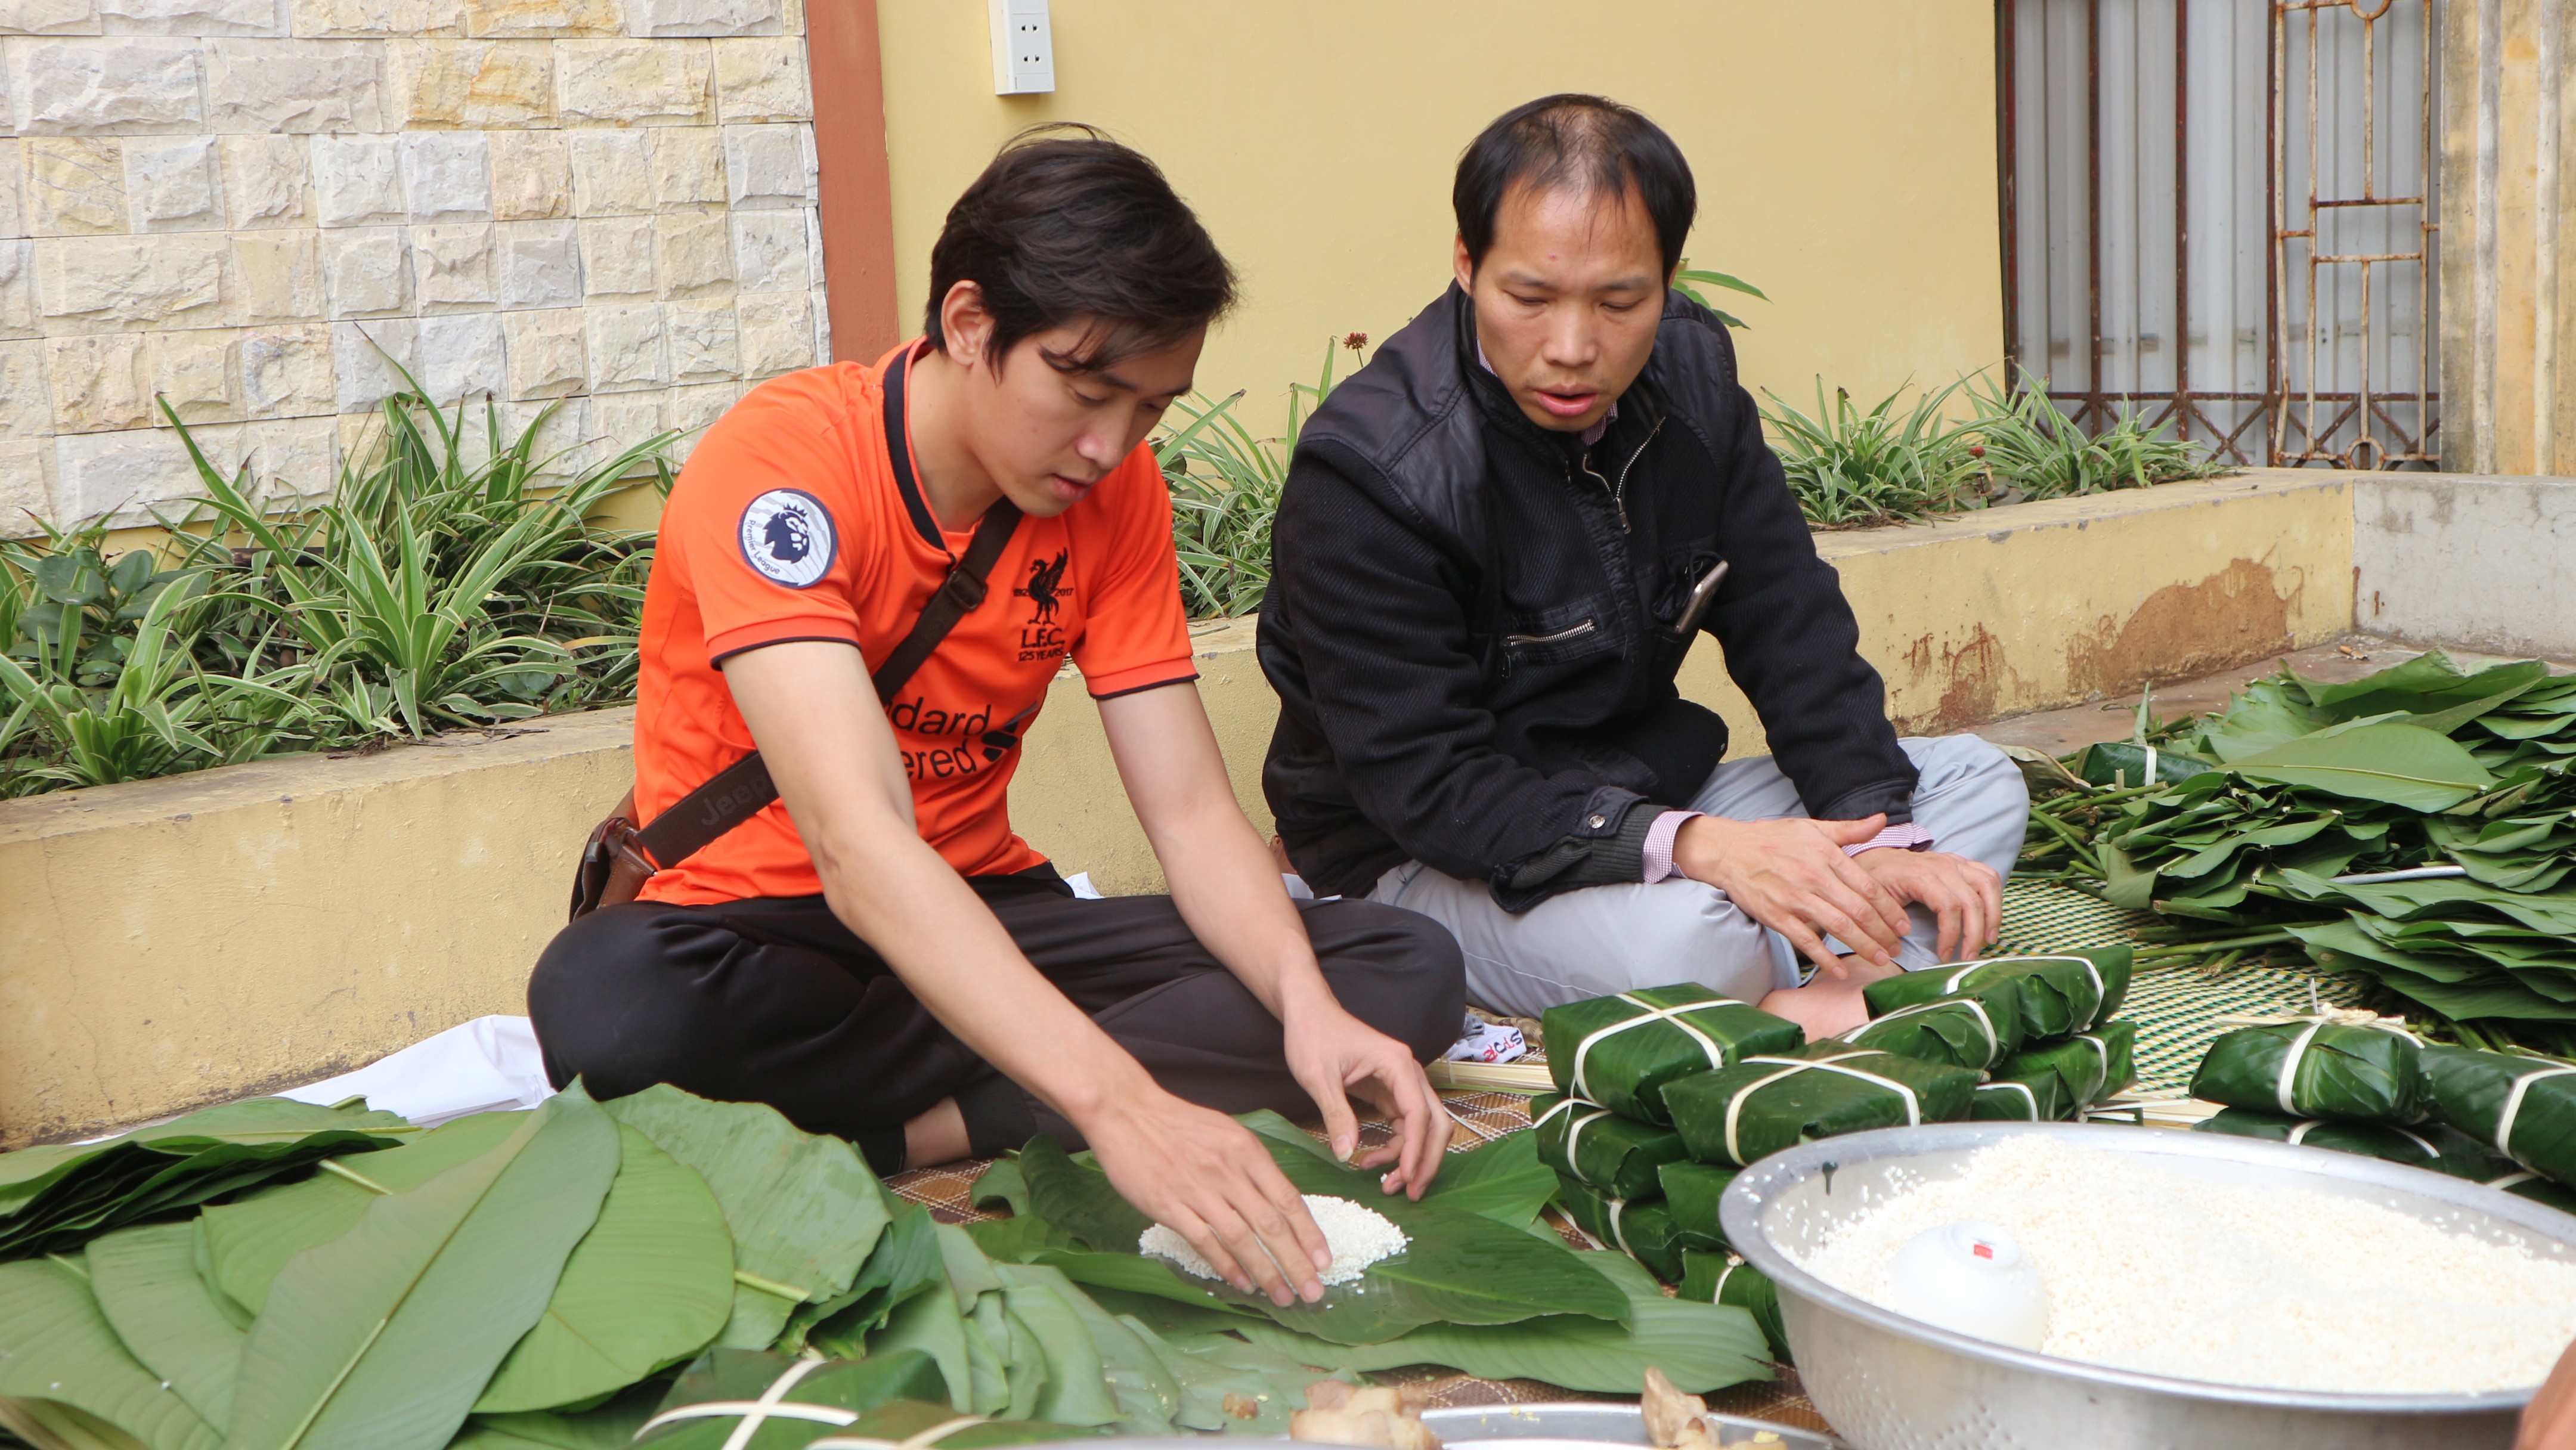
x=743, y=789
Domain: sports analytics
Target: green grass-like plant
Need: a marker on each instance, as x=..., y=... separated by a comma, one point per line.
x=453, y=579
x=1225, y=483
x=1852, y=467
x=1855, y=467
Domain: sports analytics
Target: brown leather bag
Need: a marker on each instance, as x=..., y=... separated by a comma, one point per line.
x=621, y=856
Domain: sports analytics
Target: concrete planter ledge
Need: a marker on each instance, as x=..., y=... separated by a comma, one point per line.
x=176, y=942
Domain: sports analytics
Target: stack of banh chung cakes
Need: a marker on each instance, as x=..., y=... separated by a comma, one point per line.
x=2359, y=1084
x=1664, y=1094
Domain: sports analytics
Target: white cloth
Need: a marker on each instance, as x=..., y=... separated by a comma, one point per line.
x=1596, y=940
x=487, y=1065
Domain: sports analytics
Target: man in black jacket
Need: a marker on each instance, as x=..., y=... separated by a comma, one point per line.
x=1497, y=543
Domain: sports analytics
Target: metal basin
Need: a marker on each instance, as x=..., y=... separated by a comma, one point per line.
x=1887, y=1382
x=1569, y=1424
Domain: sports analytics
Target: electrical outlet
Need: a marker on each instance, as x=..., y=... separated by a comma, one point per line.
x=1023, y=47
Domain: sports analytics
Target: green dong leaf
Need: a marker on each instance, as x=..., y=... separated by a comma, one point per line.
x=648, y=1286
x=382, y=1338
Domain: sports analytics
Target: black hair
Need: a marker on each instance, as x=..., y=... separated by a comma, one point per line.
x=1592, y=142
x=1063, y=229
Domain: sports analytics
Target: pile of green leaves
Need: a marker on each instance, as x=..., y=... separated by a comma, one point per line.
x=1481, y=1286
x=524, y=1264
x=274, y=1276
x=2261, y=816
x=452, y=579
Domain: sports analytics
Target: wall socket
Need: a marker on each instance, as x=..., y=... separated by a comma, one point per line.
x=1023, y=47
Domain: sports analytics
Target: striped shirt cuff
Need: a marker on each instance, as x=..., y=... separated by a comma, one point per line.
x=1659, y=844
x=1905, y=836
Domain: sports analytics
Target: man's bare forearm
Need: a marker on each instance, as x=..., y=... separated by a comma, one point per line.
x=1222, y=878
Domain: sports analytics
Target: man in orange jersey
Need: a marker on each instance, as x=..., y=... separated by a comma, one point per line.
x=874, y=952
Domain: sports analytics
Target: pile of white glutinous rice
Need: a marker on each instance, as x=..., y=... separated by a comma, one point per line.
x=1357, y=1234
x=2149, y=1269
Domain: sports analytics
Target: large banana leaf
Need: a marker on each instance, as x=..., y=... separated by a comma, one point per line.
x=1701, y=1346
x=56, y=1349
x=148, y=1287
x=1503, y=1180
x=931, y=1324
x=250, y=1241
x=269, y=1122
x=1227, y=1383
x=804, y=1210
x=2403, y=765
x=1459, y=1267
x=1077, y=1389
x=1023, y=1363
x=382, y=1338
x=907, y=1262
x=58, y=1197
x=649, y=1286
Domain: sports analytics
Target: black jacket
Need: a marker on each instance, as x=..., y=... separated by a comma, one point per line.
x=1468, y=621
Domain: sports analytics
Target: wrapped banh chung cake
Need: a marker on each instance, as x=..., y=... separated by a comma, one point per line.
x=1961, y=1031
x=1593, y=1145
x=2058, y=1080
x=2040, y=1100
x=2427, y=1145
x=1727, y=1279
x=1620, y=1051
x=1818, y=1091
x=2052, y=995
x=2524, y=1107
x=2320, y=1069
x=1641, y=1228
x=1691, y=1191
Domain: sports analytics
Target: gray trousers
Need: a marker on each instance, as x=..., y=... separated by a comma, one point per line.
x=1601, y=939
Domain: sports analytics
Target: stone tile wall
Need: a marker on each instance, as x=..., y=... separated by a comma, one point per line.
x=247, y=206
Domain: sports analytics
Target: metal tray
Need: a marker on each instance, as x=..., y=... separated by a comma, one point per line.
x=1550, y=1426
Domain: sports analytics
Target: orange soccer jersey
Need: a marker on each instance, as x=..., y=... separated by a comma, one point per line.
x=792, y=521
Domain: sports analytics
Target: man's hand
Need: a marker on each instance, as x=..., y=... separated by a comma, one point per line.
x=1210, y=1180
x=2549, y=1421
x=1792, y=876
x=1966, y=897
x=1334, y=1055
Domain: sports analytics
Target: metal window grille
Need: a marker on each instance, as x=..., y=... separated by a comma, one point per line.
x=2221, y=217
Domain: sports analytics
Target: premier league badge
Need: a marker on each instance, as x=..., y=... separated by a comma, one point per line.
x=787, y=537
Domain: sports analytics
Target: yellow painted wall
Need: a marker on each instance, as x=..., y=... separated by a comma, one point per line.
x=1845, y=155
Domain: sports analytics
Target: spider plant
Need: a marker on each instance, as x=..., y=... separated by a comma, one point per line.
x=2039, y=452
x=1225, y=483
x=453, y=579
x=1851, y=467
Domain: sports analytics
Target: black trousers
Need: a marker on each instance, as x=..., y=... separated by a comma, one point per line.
x=773, y=1000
